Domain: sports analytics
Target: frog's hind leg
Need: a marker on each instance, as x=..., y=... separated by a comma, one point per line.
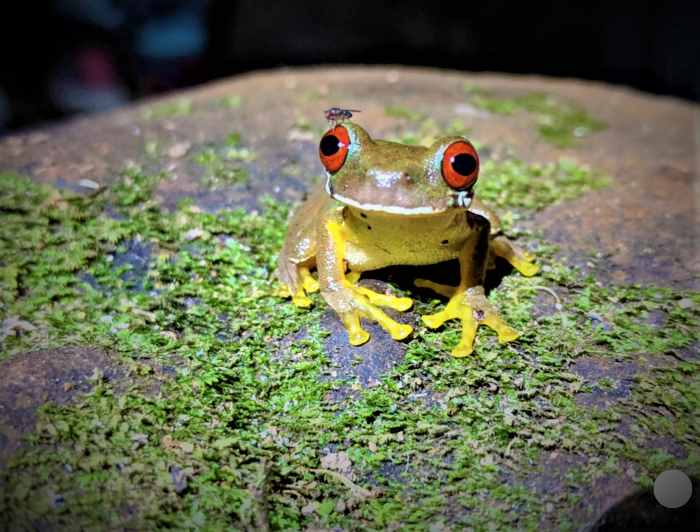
x=444, y=290
x=521, y=259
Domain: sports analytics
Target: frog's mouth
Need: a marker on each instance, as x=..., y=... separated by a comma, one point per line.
x=459, y=199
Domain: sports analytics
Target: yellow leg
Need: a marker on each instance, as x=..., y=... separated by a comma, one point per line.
x=519, y=258
x=441, y=289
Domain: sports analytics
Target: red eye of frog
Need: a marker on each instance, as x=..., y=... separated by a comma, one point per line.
x=333, y=148
x=460, y=165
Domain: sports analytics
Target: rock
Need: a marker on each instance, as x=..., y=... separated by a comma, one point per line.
x=179, y=150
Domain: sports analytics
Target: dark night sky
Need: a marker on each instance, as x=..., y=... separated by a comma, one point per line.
x=653, y=46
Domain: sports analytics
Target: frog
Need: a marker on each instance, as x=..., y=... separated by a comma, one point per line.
x=384, y=203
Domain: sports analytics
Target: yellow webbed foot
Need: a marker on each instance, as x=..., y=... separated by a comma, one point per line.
x=366, y=303
x=473, y=309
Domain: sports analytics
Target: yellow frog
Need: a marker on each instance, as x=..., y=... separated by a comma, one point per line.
x=387, y=204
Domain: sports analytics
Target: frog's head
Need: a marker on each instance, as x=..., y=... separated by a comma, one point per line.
x=393, y=178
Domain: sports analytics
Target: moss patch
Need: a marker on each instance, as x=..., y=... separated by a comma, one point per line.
x=558, y=122
x=232, y=101
x=173, y=108
x=422, y=130
x=225, y=165
x=245, y=434
x=514, y=184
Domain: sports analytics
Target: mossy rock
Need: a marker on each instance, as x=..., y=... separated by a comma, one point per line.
x=142, y=243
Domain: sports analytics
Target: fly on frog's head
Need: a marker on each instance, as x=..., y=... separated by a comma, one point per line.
x=393, y=178
x=338, y=114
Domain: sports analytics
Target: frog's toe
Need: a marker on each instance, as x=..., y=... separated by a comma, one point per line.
x=505, y=333
x=300, y=300
x=398, y=331
x=486, y=315
x=509, y=336
x=522, y=260
x=441, y=289
x=463, y=349
x=435, y=320
x=528, y=269
x=356, y=334
x=353, y=277
x=282, y=291
x=375, y=298
x=307, y=281
x=385, y=300
x=310, y=284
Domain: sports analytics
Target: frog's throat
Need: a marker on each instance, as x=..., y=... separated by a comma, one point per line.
x=461, y=199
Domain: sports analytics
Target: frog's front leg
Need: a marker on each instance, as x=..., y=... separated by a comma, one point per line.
x=352, y=302
x=468, y=301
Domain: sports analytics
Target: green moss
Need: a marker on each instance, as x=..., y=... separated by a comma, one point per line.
x=427, y=131
x=232, y=101
x=173, y=108
x=224, y=166
x=236, y=437
x=151, y=148
x=558, y=122
x=515, y=184
x=397, y=111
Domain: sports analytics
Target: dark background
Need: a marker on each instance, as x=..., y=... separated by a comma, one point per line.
x=65, y=56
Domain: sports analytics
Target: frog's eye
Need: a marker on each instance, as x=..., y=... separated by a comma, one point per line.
x=333, y=148
x=460, y=165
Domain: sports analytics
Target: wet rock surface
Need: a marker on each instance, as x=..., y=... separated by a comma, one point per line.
x=367, y=363
x=53, y=375
x=619, y=377
x=644, y=227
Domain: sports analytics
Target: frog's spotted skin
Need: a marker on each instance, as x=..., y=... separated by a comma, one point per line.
x=388, y=204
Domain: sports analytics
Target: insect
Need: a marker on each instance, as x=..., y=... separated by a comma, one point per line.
x=336, y=114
